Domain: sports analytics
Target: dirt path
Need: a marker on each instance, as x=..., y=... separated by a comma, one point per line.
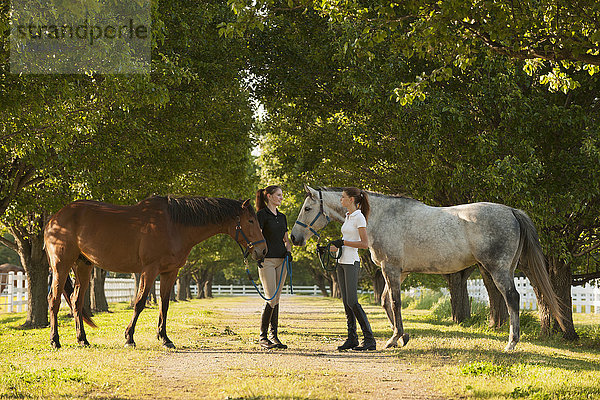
x=220, y=370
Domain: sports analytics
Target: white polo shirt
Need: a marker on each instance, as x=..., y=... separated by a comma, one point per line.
x=350, y=232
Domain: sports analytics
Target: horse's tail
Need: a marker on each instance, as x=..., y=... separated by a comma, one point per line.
x=68, y=291
x=532, y=256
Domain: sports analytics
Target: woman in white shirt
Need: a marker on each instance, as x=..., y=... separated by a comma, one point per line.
x=354, y=237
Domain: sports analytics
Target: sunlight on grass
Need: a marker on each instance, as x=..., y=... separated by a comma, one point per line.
x=277, y=384
x=458, y=360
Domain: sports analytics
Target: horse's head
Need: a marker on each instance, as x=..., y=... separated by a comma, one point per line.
x=311, y=219
x=248, y=233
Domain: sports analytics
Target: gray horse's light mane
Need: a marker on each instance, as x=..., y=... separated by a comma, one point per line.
x=389, y=196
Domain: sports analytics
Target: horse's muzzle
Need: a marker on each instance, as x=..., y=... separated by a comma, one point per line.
x=297, y=240
x=258, y=253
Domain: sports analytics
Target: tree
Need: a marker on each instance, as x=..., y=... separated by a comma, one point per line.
x=29, y=245
x=459, y=297
x=8, y=255
x=98, y=300
x=560, y=38
x=490, y=132
x=184, y=280
x=120, y=138
x=216, y=254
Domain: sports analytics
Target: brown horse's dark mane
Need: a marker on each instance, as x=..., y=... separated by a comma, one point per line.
x=199, y=211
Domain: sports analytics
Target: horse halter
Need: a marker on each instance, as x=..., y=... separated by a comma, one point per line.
x=249, y=245
x=321, y=212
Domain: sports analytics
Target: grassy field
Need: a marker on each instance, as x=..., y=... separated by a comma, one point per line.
x=455, y=361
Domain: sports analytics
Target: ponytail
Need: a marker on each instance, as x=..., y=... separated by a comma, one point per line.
x=261, y=201
x=261, y=196
x=364, y=205
x=361, y=199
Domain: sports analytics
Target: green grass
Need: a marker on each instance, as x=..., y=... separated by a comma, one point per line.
x=30, y=368
x=458, y=360
x=475, y=366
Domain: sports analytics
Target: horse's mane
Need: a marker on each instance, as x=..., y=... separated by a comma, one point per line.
x=392, y=196
x=204, y=210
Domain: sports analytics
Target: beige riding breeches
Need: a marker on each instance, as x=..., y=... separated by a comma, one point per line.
x=269, y=275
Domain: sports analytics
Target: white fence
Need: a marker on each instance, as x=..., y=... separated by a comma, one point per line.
x=13, y=298
x=122, y=289
x=13, y=292
x=243, y=290
x=585, y=299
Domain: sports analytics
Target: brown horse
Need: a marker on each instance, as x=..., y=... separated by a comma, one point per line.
x=5, y=269
x=152, y=237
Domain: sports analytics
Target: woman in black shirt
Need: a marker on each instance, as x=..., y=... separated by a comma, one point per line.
x=274, y=228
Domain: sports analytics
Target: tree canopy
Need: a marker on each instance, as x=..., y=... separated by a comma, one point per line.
x=445, y=101
x=556, y=39
x=182, y=129
x=489, y=133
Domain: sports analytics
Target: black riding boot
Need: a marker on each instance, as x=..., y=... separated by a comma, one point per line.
x=368, y=340
x=352, y=340
x=274, y=323
x=264, y=327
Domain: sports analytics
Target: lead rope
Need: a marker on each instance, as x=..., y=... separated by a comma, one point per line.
x=325, y=256
x=287, y=264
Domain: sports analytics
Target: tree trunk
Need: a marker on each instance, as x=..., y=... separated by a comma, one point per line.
x=33, y=258
x=335, y=287
x=200, y=277
x=204, y=278
x=322, y=286
x=183, y=286
x=152, y=294
x=188, y=288
x=208, y=285
x=173, y=294
x=498, y=310
x=459, y=297
x=320, y=280
x=97, y=294
x=87, y=300
x=560, y=277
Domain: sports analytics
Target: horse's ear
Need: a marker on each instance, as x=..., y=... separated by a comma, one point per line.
x=246, y=203
x=309, y=191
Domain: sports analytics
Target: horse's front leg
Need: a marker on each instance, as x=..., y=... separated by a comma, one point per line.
x=58, y=283
x=167, y=280
x=393, y=279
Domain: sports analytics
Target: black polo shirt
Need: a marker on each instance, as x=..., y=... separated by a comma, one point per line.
x=273, y=228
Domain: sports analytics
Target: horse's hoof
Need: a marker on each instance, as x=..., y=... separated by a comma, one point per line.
x=169, y=345
x=404, y=339
x=391, y=343
x=130, y=345
x=56, y=344
x=510, y=347
x=84, y=343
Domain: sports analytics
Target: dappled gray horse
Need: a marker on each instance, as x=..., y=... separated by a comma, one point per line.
x=406, y=236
